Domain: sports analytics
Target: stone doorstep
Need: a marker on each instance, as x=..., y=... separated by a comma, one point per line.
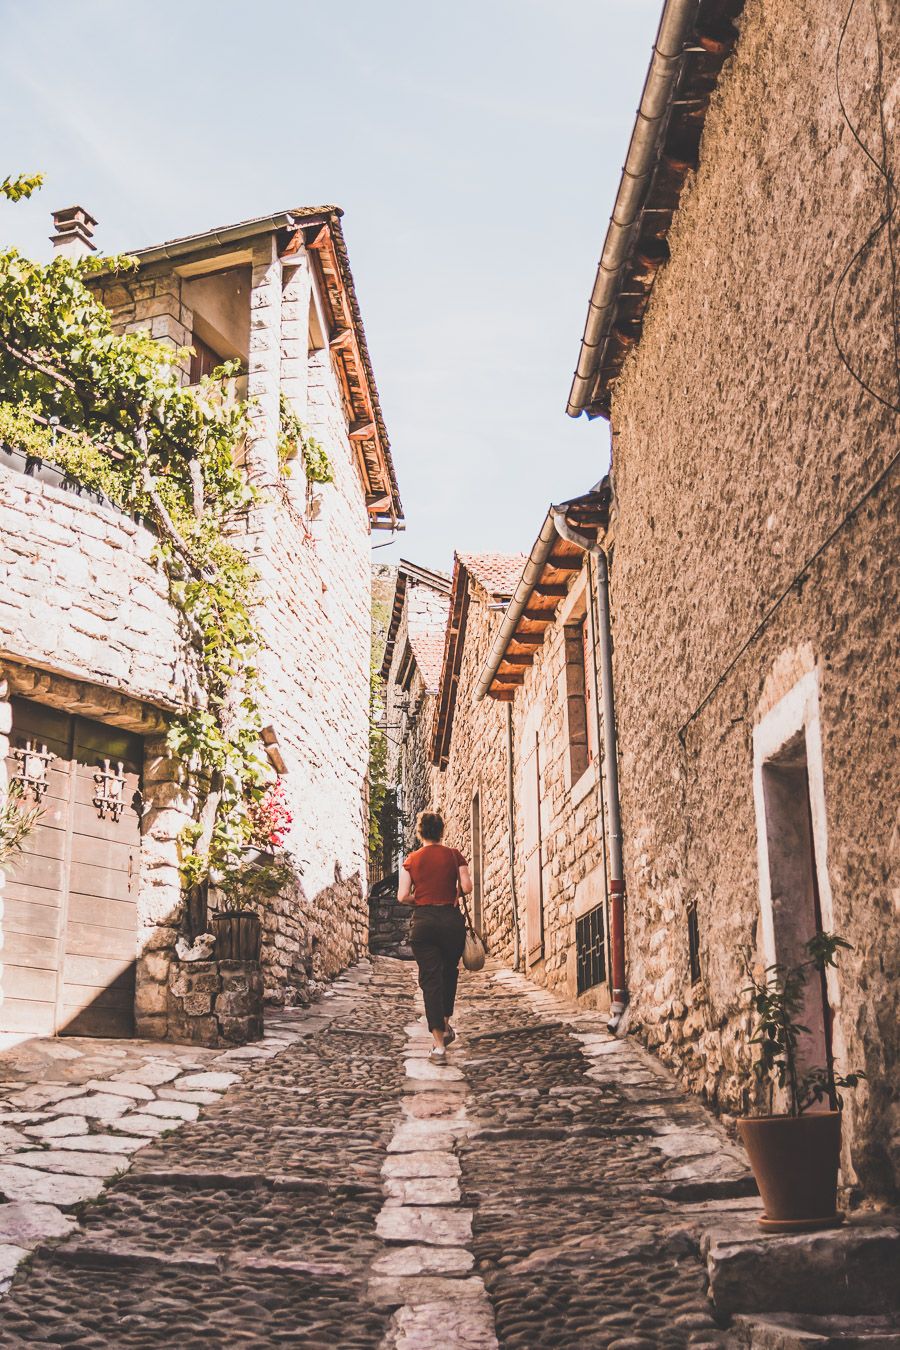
x=850, y=1270
x=794, y=1331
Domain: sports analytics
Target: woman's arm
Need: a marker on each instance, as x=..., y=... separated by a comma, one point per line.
x=404, y=890
x=465, y=880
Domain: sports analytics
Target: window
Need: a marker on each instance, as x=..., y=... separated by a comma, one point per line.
x=792, y=844
x=796, y=910
x=578, y=706
x=477, y=895
x=590, y=948
x=203, y=359
x=694, y=943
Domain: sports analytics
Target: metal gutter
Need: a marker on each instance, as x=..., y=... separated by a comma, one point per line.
x=230, y=234
x=678, y=18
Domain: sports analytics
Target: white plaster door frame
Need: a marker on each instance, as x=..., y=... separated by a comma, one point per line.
x=795, y=714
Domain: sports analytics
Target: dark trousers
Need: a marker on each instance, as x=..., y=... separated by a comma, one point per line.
x=437, y=939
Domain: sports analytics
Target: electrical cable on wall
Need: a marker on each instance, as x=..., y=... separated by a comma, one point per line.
x=882, y=167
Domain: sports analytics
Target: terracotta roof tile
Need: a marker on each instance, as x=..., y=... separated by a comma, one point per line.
x=428, y=649
x=498, y=573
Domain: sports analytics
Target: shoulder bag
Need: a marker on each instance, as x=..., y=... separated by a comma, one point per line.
x=474, y=952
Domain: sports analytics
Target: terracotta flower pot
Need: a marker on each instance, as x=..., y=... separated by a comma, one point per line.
x=795, y=1162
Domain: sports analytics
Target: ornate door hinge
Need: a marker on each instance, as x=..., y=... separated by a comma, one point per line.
x=34, y=764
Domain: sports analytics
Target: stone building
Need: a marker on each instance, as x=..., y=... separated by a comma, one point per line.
x=543, y=665
x=94, y=662
x=411, y=670
x=741, y=341
x=469, y=741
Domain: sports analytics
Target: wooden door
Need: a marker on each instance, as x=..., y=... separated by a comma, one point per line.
x=70, y=953
x=534, y=888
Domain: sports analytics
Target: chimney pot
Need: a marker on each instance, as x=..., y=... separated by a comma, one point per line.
x=74, y=229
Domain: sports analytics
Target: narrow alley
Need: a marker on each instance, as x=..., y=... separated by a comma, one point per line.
x=547, y=1187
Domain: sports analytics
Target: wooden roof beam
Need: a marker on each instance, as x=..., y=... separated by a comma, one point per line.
x=565, y=562
x=511, y=676
x=551, y=591
x=361, y=430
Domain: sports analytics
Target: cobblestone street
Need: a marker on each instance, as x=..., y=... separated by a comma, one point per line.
x=545, y=1188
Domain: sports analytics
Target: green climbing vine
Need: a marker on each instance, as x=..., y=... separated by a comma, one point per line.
x=296, y=441
x=110, y=410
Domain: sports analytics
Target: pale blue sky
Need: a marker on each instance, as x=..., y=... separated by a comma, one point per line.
x=474, y=147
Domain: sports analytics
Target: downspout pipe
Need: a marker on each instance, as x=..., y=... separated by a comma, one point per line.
x=511, y=826
x=678, y=19
x=611, y=765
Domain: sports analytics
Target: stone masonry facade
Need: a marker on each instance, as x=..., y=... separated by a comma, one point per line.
x=571, y=813
x=412, y=671
x=476, y=747
x=85, y=621
x=746, y=575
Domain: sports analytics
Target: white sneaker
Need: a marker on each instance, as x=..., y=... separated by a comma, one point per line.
x=438, y=1052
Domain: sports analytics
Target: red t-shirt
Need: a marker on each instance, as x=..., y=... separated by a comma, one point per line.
x=434, y=870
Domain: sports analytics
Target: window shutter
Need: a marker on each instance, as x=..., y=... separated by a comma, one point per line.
x=534, y=899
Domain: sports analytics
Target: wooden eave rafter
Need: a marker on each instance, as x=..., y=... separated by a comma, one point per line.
x=588, y=516
x=351, y=363
x=453, y=649
x=712, y=43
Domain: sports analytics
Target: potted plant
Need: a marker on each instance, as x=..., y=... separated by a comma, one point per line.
x=795, y=1155
x=236, y=923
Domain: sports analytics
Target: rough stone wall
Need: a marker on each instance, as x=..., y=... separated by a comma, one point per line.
x=313, y=614
x=81, y=595
x=149, y=301
x=740, y=446
x=84, y=600
x=478, y=763
x=410, y=713
x=572, y=848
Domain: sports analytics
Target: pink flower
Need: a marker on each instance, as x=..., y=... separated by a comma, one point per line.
x=271, y=817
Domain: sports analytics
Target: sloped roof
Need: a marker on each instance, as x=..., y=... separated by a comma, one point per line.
x=407, y=573
x=428, y=649
x=318, y=228
x=555, y=561
x=498, y=574
x=694, y=42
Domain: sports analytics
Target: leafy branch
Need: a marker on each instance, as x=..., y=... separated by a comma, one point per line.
x=128, y=428
x=777, y=1000
x=16, y=821
x=295, y=440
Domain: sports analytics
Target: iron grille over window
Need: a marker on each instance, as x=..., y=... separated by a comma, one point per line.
x=590, y=948
x=693, y=943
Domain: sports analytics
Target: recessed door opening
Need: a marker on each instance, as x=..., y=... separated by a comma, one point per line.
x=796, y=908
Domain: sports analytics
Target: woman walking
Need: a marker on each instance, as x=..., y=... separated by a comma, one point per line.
x=431, y=879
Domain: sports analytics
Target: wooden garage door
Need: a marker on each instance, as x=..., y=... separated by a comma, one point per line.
x=70, y=914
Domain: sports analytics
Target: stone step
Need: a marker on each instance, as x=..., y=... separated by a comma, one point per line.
x=851, y=1270
x=794, y=1331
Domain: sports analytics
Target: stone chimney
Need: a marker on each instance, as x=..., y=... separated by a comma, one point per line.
x=74, y=230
